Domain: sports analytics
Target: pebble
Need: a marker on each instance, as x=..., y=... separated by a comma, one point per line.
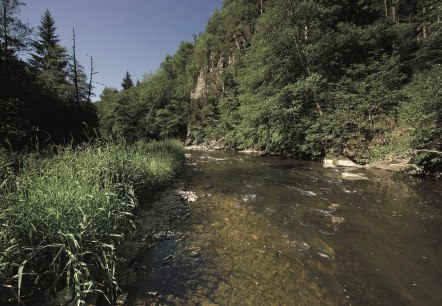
x=121, y=299
x=167, y=259
x=324, y=256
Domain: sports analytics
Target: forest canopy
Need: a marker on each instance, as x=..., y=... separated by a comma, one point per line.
x=301, y=78
x=45, y=95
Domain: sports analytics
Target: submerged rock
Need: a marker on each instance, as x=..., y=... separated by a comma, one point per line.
x=337, y=220
x=333, y=206
x=121, y=299
x=188, y=196
x=167, y=259
x=353, y=176
x=323, y=255
x=251, y=151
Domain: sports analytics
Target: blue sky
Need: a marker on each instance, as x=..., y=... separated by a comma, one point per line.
x=121, y=35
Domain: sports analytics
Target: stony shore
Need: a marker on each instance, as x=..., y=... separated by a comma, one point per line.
x=328, y=161
x=157, y=220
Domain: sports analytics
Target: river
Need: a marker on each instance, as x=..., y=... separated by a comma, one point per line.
x=267, y=231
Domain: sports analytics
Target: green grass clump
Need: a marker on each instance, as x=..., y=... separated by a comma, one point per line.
x=396, y=147
x=6, y=163
x=63, y=218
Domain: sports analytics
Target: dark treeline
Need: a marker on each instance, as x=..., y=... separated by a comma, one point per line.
x=45, y=95
x=299, y=77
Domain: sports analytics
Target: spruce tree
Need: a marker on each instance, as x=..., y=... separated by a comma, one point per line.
x=49, y=59
x=14, y=38
x=14, y=33
x=127, y=81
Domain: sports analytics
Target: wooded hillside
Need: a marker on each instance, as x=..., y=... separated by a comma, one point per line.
x=299, y=77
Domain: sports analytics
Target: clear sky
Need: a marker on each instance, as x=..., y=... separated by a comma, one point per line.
x=133, y=35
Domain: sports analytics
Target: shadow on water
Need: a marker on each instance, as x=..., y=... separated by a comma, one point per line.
x=281, y=232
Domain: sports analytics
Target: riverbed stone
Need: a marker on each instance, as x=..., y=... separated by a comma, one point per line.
x=188, y=196
x=334, y=206
x=167, y=259
x=337, y=220
x=331, y=161
x=121, y=299
x=353, y=176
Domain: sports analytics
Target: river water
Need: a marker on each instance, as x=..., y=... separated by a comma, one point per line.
x=266, y=231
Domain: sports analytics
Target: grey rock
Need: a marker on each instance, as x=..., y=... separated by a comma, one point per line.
x=167, y=259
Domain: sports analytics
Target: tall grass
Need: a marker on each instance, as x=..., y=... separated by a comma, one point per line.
x=63, y=218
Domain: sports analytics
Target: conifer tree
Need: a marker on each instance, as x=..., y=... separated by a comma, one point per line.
x=49, y=59
x=127, y=81
x=14, y=38
x=13, y=32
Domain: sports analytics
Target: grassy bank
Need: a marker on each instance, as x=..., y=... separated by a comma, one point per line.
x=63, y=218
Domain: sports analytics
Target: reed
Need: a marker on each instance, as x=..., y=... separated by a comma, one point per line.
x=63, y=218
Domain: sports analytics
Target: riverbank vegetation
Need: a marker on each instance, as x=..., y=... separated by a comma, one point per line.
x=302, y=78
x=63, y=218
x=67, y=195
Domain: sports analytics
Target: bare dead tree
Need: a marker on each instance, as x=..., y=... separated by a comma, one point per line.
x=92, y=72
x=76, y=94
x=395, y=9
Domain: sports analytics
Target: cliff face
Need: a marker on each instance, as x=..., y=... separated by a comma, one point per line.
x=209, y=79
x=201, y=86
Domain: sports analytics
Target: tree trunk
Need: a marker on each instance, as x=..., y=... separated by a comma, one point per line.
x=5, y=29
x=315, y=99
x=89, y=91
x=6, y=39
x=394, y=9
x=76, y=95
x=386, y=8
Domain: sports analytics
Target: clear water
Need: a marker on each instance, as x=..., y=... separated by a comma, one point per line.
x=281, y=232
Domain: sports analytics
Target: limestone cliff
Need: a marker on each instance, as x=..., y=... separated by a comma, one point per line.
x=209, y=78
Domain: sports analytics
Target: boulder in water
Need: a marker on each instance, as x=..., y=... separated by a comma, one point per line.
x=331, y=161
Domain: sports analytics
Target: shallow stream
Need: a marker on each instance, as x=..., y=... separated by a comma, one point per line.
x=266, y=231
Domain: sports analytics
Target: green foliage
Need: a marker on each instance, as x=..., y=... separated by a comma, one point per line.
x=7, y=165
x=14, y=33
x=361, y=106
x=127, y=81
x=312, y=77
x=395, y=146
x=423, y=109
x=153, y=109
x=63, y=218
x=422, y=113
x=49, y=59
x=36, y=96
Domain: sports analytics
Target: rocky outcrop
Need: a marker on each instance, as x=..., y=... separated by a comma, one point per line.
x=331, y=161
x=209, y=77
x=201, y=86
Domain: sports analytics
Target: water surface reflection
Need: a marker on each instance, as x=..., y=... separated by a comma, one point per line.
x=283, y=232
